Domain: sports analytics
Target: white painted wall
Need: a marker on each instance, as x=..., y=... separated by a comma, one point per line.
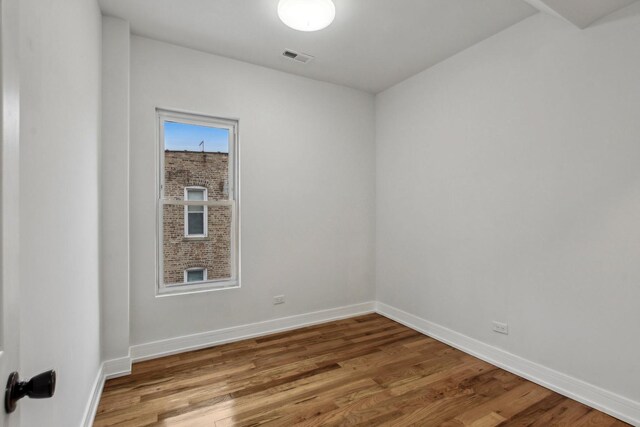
x=307, y=181
x=60, y=132
x=114, y=236
x=508, y=188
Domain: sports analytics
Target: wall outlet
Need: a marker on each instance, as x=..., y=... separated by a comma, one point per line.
x=278, y=300
x=501, y=328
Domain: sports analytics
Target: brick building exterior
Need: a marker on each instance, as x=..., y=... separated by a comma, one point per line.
x=184, y=169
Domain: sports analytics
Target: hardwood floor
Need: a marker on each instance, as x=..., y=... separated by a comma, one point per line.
x=367, y=370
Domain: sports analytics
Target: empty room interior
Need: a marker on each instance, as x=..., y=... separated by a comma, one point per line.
x=320, y=213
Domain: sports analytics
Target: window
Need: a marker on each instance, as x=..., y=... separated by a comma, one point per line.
x=195, y=217
x=198, y=210
x=195, y=275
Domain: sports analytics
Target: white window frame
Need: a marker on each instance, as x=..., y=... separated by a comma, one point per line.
x=204, y=274
x=205, y=213
x=162, y=116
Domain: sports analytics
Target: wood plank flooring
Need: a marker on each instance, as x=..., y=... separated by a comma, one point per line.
x=366, y=370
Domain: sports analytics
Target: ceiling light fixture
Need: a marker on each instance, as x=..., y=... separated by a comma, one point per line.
x=307, y=15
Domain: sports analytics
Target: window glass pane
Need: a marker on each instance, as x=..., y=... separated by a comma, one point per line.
x=195, y=195
x=219, y=225
x=195, y=275
x=196, y=223
x=180, y=253
x=197, y=167
x=195, y=156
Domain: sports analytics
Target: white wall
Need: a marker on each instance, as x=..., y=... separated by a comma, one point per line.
x=60, y=131
x=307, y=182
x=508, y=188
x=114, y=236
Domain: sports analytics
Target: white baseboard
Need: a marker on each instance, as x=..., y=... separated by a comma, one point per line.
x=94, y=398
x=170, y=346
x=589, y=394
x=115, y=368
x=108, y=369
x=122, y=366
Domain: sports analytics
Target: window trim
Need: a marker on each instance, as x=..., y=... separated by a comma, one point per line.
x=204, y=274
x=205, y=213
x=232, y=125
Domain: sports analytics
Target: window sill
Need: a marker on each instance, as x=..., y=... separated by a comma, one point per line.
x=196, y=288
x=195, y=238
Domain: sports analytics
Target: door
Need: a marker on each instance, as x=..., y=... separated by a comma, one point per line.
x=9, y=201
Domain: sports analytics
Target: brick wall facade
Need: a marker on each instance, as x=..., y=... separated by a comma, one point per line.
x=193, y=169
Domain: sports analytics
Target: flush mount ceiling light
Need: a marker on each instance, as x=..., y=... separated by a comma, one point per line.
x=307, y=15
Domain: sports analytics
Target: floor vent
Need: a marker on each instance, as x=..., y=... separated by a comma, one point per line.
x=296, y=56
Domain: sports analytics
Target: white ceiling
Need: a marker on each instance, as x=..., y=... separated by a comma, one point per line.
x=372, y=44
x=580, y=13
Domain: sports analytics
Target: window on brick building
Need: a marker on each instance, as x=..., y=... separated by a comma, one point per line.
x=195, y=275
x=197, y=203
x=195, y=217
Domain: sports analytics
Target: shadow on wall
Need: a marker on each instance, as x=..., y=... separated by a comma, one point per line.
x=626, y=13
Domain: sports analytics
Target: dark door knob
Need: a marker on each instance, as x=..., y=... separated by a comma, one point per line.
x=41, y=386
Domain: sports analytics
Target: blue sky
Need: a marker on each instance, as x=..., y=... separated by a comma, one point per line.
x=180, y=136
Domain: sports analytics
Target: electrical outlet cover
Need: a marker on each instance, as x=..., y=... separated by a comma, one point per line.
x=501, y=328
